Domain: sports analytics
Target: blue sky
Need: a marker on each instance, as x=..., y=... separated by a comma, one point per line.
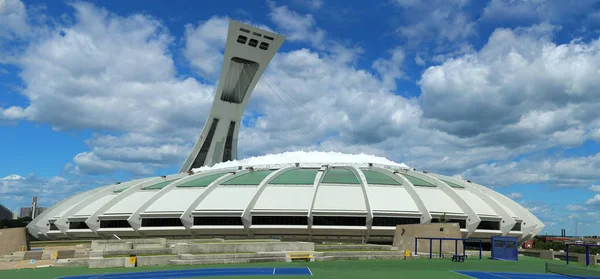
x=504, y=93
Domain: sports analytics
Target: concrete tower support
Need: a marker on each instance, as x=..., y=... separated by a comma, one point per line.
x=248, y=51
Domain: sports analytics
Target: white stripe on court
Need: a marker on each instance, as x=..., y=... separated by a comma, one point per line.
x=497, y=275
x=309, y=271
x=463, y=274
x=274, y=271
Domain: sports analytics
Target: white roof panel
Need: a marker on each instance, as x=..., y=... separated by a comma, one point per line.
x=94, y=206
x=228, y=198
x=131, y=203
x=285, y=198
x=340, y=198
x=437, y=201
x=513, y=214
x=477, y=204
x=64, y=209
x=176, y=200
x=392, y=198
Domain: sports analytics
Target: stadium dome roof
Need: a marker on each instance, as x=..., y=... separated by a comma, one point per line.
x=309, y=195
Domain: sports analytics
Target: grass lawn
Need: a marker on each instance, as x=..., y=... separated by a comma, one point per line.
x=423, y=268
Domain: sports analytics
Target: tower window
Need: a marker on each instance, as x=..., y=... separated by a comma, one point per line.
x=253, y=43
x=245, y=30
x=257, y=34
x=242, y=39
x=269, y=38
x=238, y=79
x=264, y=45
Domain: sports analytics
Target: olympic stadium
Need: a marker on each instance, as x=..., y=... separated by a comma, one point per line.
x=304, y=196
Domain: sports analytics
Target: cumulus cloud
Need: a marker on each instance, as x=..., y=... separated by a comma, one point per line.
x=390, y=70
x=17, y=190
x=517, y=90
x=447, y=21
x=311, y=4
x=443, y=26
x=13, y=20
x=595, y=201
x=533, y=11
x=567, y=172
x=310, y=98
x=296, y=27
x=515, y=196
x=595, y=188
x=127, y=85
x=204, y=45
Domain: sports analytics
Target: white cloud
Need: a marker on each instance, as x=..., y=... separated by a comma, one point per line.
x=534, y=11
x=128, y=84
x=515, y=196
x=12, y=113
x=204, y=45
x=572, y=207
x=307, y=99
x=311, y=4
x=13, y=19
x=18, y=192
x=13, y=177
x=443, y=25
x=296, y=27
x=519, y=89
x=567, y=172
x=595, y=188
x=390, y=70
x=595, y=201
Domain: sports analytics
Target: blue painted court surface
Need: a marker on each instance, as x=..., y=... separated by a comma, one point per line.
x=200, y=272
x=512, y=275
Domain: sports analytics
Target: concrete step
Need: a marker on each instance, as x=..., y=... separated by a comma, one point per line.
x=351, y=247
x=11, y=258
x=71, y=262
x=226, y=261
x=359, y=257
x=363, y=253
x=230, y=256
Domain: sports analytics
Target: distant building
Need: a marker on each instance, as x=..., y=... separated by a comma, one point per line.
x=5, y=213
x=26, y=211
x=15, y=215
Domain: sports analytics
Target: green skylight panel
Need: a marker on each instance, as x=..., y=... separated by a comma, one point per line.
x=296, y=177
x=159, y=185
x=418, y=182
x=340, y=176
x=203, y=181
x=377, y=178
x=120, y=190
x=250, y=178
x=451, y=184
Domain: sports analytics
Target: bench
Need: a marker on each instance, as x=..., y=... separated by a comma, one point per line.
x=297, y=256
x=458, y=258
